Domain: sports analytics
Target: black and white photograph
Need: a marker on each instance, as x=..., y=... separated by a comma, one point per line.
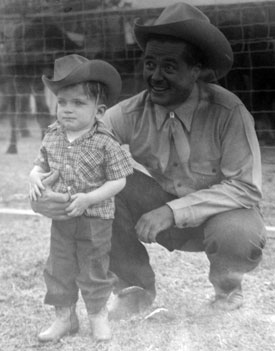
x=137, y=175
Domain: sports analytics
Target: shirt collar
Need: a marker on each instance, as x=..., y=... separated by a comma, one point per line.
x=61, y=130
x=184, y=112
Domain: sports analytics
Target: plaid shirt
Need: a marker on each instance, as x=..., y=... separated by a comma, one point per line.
x=84, y=164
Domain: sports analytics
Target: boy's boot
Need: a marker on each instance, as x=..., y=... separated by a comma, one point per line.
x=66, y=322
x=100, y=325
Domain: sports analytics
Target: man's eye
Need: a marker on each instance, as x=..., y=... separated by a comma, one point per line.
x=149, y=65
x=170, y=68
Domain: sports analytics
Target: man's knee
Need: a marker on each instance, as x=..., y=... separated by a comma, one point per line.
x=238, y=234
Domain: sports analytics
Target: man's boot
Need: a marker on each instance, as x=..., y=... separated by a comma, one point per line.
x=66, y=322
x=228, y=302
x=100, y=326
x=129, y=301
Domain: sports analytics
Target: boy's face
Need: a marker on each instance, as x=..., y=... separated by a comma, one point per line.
x=75, y=110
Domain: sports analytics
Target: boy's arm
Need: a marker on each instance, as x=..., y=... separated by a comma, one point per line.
x=81, y=201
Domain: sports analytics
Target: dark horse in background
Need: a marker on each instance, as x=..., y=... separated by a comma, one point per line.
x=31, y=53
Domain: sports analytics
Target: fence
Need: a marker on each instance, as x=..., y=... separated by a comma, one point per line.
x=33, y=35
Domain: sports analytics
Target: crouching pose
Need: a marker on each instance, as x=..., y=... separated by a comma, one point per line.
x=198, y=144
x=91, y=168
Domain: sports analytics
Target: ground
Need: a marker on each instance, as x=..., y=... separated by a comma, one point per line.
x=186, y=323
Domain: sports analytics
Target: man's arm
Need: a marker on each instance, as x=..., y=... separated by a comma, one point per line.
x=240, y=166
x=51, y=204
x=153, y=222
x=241, y=187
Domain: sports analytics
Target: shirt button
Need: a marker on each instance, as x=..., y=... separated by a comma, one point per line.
x=179, y=185
x=69, y=147
x=68, y=167
x=175, y=164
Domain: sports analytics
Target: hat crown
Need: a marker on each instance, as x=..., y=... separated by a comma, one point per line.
x=180, y=12
x=63, y=66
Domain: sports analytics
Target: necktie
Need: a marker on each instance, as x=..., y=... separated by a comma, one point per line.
x=176, y=134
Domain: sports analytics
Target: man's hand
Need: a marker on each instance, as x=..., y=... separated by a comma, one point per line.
x=153, y=222
x=36, y=185
x=51, y=204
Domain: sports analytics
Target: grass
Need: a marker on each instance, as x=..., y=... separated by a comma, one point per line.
x=182, y=284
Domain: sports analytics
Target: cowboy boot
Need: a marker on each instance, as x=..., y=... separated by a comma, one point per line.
x=228, y=301
x=100, y=326
x=66, y=322
x=129, y=301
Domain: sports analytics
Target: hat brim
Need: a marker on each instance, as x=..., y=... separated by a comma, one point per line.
x=94, y=70
x=202, y=34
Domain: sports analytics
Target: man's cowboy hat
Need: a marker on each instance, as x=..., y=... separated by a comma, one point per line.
x=188, y=23
x=73, y=69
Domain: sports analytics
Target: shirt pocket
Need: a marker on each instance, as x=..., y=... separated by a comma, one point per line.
x=205, y=173
x=90, y=166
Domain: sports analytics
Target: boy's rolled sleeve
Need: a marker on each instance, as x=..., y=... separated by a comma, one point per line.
x=118, y=162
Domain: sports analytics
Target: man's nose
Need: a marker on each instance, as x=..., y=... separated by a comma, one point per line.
x=157, y=74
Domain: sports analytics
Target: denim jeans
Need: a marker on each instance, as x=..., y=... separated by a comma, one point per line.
x=79, y=260
x=233, y=240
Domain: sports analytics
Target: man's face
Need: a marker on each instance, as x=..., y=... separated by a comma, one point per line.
x=170, y=80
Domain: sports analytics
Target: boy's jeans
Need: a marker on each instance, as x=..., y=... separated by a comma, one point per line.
x=79, y=259
x=233, y=240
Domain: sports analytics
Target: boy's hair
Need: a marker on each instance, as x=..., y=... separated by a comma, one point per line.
x=96, y=90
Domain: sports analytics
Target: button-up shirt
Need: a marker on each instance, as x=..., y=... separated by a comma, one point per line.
x=223, y=171
x=84, y=164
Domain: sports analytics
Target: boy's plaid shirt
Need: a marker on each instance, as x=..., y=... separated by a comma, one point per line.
x=85, y=164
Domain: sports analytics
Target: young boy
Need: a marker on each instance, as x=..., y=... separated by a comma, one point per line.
x=92, y=169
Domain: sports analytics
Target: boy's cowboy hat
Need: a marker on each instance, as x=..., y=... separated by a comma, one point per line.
x=73, y=69
x=188, y=23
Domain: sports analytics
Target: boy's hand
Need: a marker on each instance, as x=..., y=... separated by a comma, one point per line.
x=35, y=184
x=79, y=203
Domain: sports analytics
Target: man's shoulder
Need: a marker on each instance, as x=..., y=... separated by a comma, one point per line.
x=133, y=104
x=218, y=95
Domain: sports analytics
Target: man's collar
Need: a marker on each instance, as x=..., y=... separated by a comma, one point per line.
x=184, y=112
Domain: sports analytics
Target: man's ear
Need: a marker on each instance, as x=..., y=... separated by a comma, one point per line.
x=101, y=110
x=196, y=71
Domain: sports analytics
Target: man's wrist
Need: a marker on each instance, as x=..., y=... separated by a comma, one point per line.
x=172, y=214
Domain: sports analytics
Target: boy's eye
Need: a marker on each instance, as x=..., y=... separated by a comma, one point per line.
x=61, y=102
x=79, y=102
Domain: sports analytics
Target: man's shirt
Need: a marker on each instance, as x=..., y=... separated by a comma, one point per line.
x=84, y=164
x=223, y=170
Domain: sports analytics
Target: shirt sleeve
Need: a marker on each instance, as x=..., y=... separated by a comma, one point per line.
x=241, y=170
x=118, y=161
x=115, y=121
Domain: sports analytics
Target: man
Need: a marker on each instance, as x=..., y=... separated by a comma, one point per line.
x=198, y=144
